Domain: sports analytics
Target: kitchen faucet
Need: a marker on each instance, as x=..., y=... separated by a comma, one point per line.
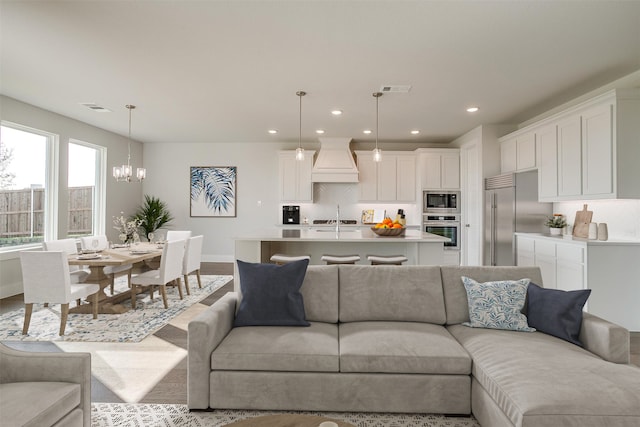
x=337, y=218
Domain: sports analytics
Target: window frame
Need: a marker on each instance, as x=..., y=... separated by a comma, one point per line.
x=51, y=184
x=100, y=194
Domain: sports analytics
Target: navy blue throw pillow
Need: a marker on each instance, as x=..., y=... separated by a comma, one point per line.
x=271, y=294
x=556, y=312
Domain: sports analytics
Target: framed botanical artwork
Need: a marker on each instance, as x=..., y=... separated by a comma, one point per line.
x=213, y=191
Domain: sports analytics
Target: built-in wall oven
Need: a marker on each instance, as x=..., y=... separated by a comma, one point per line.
x=446, y=226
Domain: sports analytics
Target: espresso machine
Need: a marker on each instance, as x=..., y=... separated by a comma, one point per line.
x=290, y=214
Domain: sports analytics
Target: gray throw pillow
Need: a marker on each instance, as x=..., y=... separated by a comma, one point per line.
x=271, y=294
x=497, y=305
x=556, y=312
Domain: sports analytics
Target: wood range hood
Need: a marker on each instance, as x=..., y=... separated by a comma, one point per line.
x=334, y=162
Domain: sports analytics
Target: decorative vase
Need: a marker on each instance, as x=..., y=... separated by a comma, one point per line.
x=555, y=231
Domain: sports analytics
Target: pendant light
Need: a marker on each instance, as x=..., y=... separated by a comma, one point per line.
x=377, y=153
x=300, y=150
x=125, y=172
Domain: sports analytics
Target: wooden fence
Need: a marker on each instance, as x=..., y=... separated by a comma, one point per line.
x=20, y=216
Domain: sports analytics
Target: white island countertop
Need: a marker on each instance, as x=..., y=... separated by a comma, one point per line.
x=345, y=234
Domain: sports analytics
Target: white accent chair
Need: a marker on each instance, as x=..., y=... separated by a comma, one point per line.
x=46, y=279
x=191, y=262
x=111, y=271
x=44, y=389
x=178, y=235
x=170, y=270
x=79, y=273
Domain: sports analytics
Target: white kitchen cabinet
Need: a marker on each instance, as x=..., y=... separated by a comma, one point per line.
x=608, y=268
x=589, y=151
x=295, y=177
x=547, y=144
x=439, y=169
x=569, y=157
x=518, y=152
x=391, y=180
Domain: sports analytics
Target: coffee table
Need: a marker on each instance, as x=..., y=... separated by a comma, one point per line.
x=286, y=420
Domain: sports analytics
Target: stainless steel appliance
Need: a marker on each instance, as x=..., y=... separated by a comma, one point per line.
x=291, y=214
x=446, y=226
x=511, y=205
x=441, y=202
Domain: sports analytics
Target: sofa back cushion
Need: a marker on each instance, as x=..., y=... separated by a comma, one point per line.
x=320, y=293
x=455, y=296
x=391, y=293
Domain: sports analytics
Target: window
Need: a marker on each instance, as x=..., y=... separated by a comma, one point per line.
x=86, y=193
x=28, y=183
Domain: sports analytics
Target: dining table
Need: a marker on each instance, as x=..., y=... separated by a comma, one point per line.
x=115, y=256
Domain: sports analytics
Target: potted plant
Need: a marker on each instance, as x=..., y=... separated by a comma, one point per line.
x=556, y=223
x=153, y=214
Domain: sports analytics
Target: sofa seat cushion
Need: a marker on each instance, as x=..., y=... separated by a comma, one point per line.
x=279, y=348
x=401, y=347
x=540, y=380
x=37, y=403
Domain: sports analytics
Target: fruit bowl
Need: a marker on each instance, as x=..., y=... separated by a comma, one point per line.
x=389, y=231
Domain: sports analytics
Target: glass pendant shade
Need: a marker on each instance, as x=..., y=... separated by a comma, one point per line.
x=300, y=153
x=377, y=155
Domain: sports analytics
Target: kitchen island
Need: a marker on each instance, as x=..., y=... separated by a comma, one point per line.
x=420, y=248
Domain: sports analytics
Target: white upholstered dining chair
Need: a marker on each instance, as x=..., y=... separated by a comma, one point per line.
x=79, y=273
x=191, y=262
x=170, y=270
x=46, y=279
x=100, y=243
x=178, y=235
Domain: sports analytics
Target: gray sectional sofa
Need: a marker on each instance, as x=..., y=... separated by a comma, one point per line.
x=391, y=339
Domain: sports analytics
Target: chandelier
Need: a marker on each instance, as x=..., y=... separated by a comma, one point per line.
x=125, y=172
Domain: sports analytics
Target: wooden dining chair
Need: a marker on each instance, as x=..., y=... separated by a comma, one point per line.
x=79, y=273
x=191, y=262
x=100, y=243
x=170, y=270
x=46, y=279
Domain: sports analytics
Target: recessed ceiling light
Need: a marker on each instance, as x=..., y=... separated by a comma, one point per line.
x=336, y=112
x=320, y=131
x=366, y=131
x=472, y=109
x=273, y=131
x=415, y=132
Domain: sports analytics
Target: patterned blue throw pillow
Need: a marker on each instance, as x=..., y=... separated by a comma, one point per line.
x=497, y=305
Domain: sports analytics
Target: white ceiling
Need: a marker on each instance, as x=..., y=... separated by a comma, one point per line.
x=227, y=71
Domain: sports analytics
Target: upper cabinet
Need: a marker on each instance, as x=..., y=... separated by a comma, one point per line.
x=518, y=152
x=391, y=180
x=589, y=151
x=295, y=177
x=439, y=168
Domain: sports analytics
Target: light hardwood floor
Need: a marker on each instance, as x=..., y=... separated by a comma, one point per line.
x=173, y=387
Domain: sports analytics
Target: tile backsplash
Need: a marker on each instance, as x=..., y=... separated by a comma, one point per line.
x=622, y=216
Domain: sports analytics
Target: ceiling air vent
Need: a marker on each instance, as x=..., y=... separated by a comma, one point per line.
x=395, y=88
x=95, y=107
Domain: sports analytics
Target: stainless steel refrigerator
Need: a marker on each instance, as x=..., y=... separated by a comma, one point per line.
x=511, y=205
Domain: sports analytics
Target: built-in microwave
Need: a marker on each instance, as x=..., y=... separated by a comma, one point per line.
x=441, y=202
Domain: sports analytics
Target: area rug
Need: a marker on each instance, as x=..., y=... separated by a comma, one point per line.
x=139, y=415
x=132, y=326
